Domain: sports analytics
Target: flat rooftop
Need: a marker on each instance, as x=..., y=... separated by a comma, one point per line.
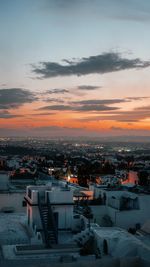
x=13, y=229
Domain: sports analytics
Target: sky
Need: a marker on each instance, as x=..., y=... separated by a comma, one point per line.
x=74, y=68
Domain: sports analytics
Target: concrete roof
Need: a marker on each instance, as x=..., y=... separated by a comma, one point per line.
x=12, y=229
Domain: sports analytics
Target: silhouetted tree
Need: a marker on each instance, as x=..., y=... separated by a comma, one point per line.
x=143, y=178
x=108, y=168
x=83, y=175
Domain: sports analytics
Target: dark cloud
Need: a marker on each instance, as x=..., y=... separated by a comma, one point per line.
x=95, y=108
x=4, y=114
x=111, y=117
x=87, y=105
x=57, y=91
x=120, y=116
x=42, y=114
x=137, y=98
x=135, y=115
x=51, y=100
x=104, y=63
x=100, y=101
x=56, y=107
x=15, y=97
x=77, y=108
x=104, y=108
x=144, y=108
x=88, y=87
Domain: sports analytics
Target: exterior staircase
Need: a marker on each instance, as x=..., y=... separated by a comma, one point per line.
x=50, y=232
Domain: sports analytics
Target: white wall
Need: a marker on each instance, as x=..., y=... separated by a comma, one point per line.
x=60, y=196
x=129, y=218
x=65, y=216
x=99, y=212
x=124, y=219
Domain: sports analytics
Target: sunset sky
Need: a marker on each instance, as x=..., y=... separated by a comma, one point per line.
x=74, y=67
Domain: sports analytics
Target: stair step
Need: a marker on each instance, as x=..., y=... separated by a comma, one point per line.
x=48, y=224
x=51, y=235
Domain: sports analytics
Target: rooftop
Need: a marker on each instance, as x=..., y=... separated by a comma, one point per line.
x=13, y=229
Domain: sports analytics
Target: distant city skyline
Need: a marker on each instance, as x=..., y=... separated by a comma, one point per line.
x=74, y=68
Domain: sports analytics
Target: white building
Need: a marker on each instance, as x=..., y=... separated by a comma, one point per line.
x=117, y=242
x=125, y=209
x=49, y=209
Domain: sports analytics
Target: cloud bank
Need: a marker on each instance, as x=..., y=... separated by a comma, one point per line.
x=100, y=64
x=15, y=97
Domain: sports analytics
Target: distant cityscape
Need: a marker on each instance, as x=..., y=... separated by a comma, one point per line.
x=67, y=202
